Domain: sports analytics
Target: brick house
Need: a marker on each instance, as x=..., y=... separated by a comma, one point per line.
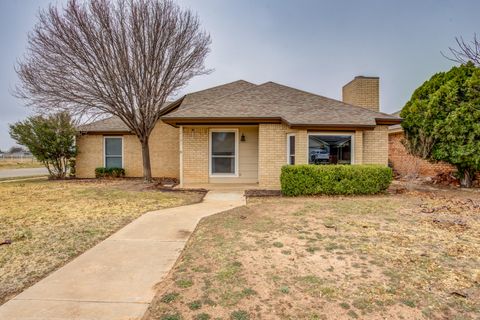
x=404, y=163
x=241, y=132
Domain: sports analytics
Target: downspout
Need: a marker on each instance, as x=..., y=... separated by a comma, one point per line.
x=181, y=156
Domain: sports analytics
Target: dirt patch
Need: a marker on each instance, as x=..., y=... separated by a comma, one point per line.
x=379, y=257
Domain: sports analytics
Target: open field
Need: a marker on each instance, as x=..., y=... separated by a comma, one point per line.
x=406, y=256
x=51, y=222
x=19, y=163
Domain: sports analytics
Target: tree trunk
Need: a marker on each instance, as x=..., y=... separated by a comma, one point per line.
x=147, y=169
x=466, y=178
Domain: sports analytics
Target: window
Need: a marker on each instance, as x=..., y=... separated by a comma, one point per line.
x=290, y=148
x=223, y=152
x=329, y=149
x=113, y=152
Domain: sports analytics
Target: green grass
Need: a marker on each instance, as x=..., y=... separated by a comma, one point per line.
x=184, y=283
x=170, y=297
x=239, y=315
x=278, y=244
x=195, y=305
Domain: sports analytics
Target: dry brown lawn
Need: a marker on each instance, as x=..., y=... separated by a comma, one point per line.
x=408, y=256
x=19, y=164
x=51, y=222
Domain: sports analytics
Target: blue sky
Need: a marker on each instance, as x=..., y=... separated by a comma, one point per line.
x=313, y=45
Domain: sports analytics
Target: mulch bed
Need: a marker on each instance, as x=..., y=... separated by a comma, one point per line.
x=262, y=193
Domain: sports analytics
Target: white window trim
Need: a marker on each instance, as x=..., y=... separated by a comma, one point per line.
x=288, y=147
x=219, y=175
x=331, y=133
x=105, y=150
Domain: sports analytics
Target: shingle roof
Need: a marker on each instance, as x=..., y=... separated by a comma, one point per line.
x=114, y=124
x=396, y=127
x=272, y=100
x=243, y=100
x=111, y=124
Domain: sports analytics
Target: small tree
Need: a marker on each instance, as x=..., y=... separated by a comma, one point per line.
x=51, y=139
x=122, y=58
x=442, y=120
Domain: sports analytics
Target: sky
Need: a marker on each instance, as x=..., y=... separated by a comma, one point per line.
x=313, y=45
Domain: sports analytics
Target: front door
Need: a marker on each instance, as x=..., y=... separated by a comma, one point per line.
x=223, y=153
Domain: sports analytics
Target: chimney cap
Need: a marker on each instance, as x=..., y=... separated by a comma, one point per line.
x=366, y=77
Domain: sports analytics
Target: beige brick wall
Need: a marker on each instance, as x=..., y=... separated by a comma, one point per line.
x=195, y=155
x=301, y=147
x=272, y=153
x=363, y=92
x=358, y=147
x=375, y=146
x=164, y=153
x=90, y=155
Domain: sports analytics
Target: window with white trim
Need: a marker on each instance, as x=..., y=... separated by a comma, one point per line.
x=291, y=148
x=329, y=149
x=113, y=152
x=223, y=155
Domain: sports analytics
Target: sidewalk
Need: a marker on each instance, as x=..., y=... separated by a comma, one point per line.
x=116, y=278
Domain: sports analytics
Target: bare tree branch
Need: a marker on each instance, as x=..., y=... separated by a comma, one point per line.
x=123, y=58
x=465, y=51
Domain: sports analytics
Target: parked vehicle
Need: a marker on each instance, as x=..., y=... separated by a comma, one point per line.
x=320, y=155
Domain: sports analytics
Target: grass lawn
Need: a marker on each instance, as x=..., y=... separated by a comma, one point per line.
x=19, y=164
x=407, y=256
x=51, y=222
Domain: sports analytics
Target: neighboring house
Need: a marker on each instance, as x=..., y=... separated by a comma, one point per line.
x=404, y=163
x=241, y=132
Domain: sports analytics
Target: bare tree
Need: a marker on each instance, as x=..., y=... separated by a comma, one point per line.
x=466, y=51
x=123, y=58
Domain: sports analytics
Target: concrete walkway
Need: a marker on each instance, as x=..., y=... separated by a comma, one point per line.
x=116, y=278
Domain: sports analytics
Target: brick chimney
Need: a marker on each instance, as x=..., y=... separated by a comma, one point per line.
x=363, y=92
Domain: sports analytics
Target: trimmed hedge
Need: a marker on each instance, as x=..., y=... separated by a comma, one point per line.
x=102, y=172
x=312, y=179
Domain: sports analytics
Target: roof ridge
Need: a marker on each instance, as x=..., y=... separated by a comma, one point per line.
x=220, y=85
x=223, y=96
x=324, y=97
x=96, y=121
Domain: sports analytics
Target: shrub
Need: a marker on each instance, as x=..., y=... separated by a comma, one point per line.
x=51, y=140
x=72, y=164
x=102, y=172
x=334, y=179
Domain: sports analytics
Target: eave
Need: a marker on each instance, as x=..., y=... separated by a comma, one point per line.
x=105, y=132
x=388, y=121
x=226, y=120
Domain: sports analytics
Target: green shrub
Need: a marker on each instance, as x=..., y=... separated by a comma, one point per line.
x=103, y=172
x=72, y=166
x=310, y=179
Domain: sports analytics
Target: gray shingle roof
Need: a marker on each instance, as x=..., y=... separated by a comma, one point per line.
x=271, y=100
x=244, y=100
x=111, y=124
x=396, y=127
